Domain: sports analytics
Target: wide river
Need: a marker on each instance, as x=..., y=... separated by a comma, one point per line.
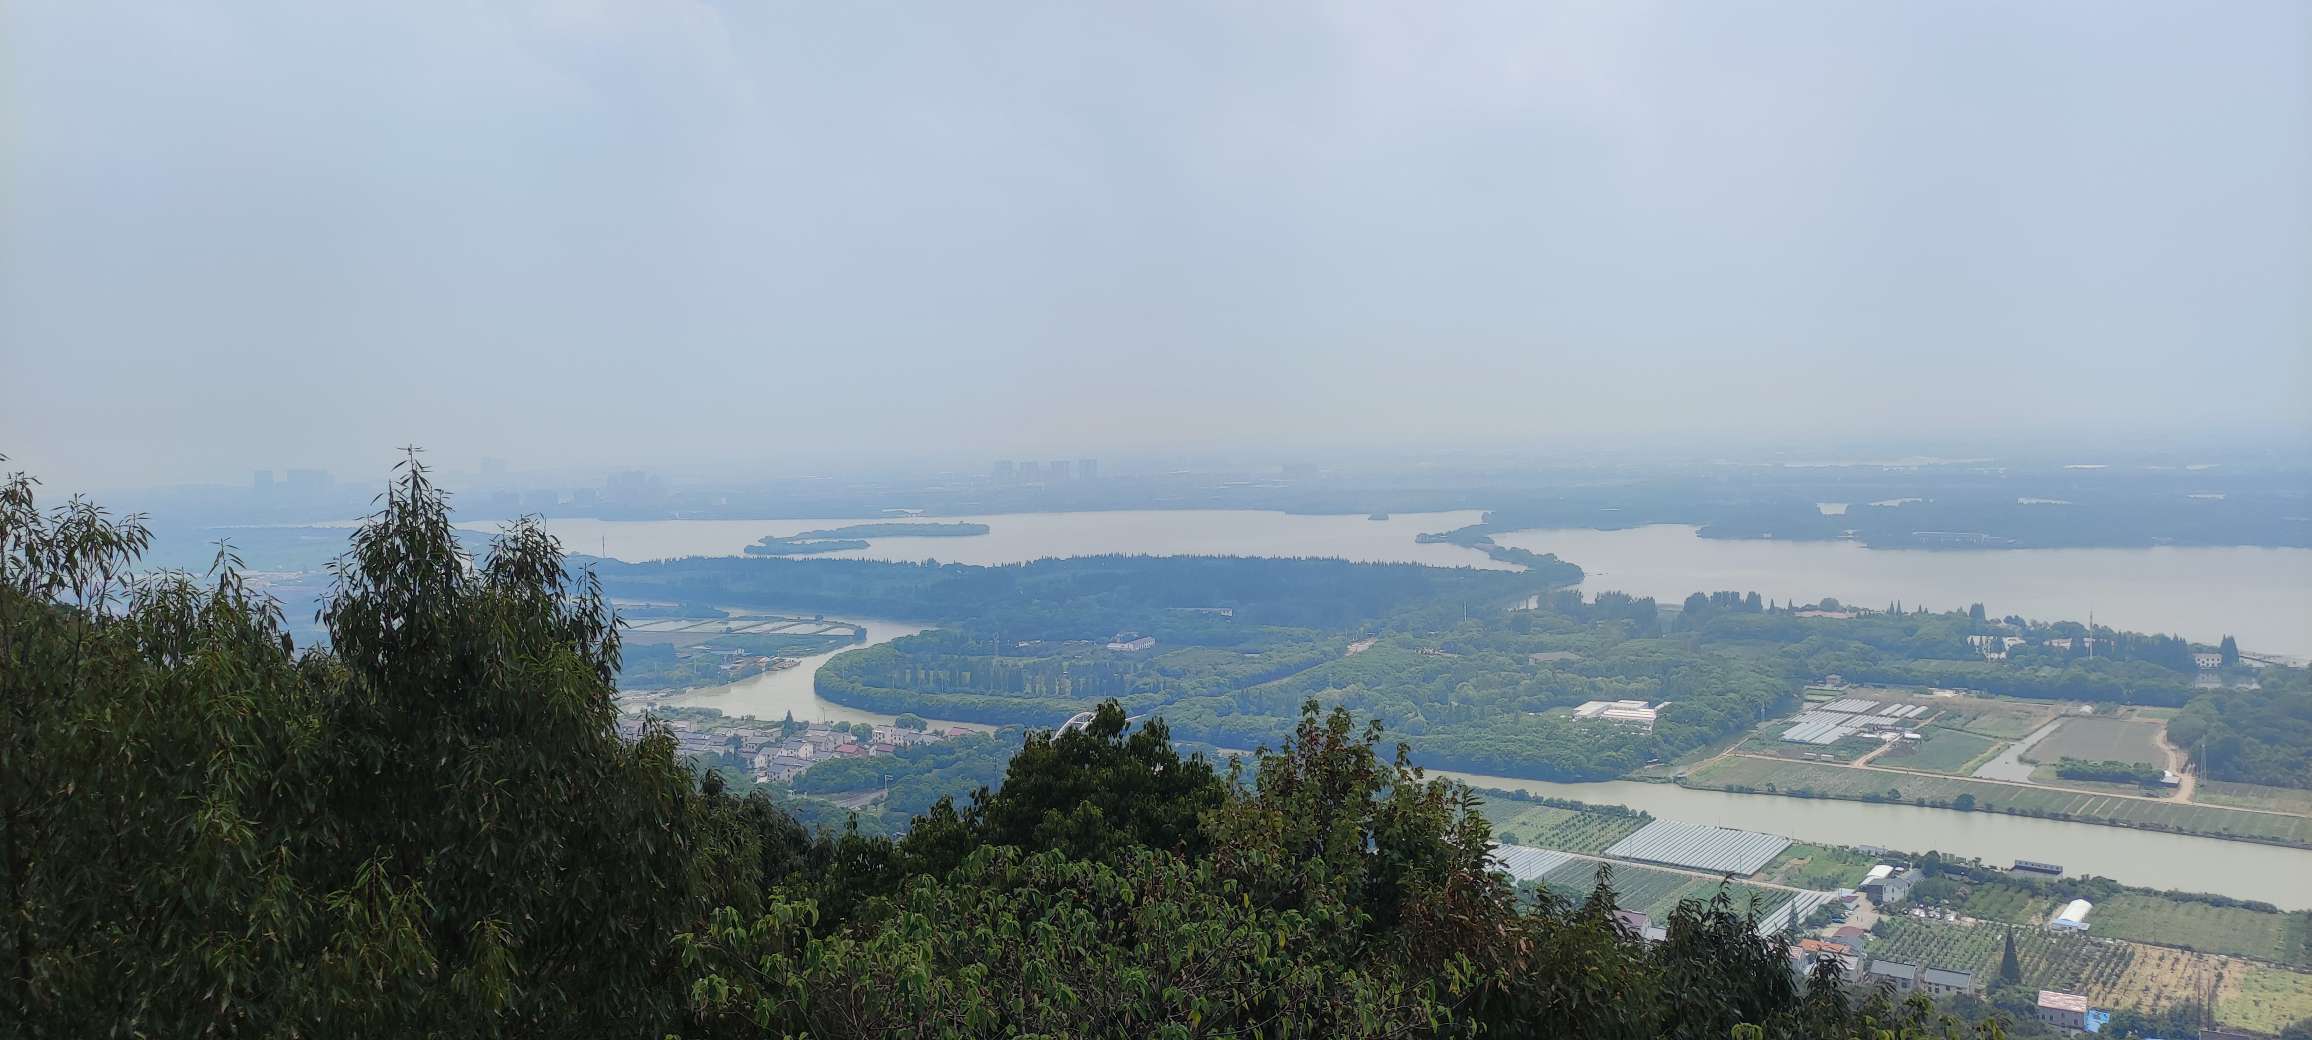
x=2278, y=875
x=2262, y=596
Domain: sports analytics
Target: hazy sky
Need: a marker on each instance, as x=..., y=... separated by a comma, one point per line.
x=286, y=233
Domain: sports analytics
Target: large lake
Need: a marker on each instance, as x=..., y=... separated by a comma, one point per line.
x=2261, y=596
x=1020, y=537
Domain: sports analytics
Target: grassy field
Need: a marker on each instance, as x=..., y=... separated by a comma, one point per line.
x=1826, y=867
x=2005, y=903
x=2255, y=796
x=1772, y=776
x=2262, y=998
x=2005, y=720
x=2213, y=929
x=2101, y=740
x=1944, y=751
x=1565, y=830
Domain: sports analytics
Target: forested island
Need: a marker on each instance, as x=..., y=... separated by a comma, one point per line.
x=854, y=536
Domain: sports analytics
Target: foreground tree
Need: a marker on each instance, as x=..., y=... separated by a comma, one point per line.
x=431, y=829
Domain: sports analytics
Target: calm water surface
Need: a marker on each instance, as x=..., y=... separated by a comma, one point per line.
x=2277, y=875
x=2261, y=596
x=1020, y=537
x=772, y=695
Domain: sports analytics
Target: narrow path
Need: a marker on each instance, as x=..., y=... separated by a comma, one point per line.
x=2179, y=764
x=1873, y=753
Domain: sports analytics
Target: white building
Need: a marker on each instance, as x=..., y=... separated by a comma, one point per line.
x=2072, y=918
x=1638, y=712
x=2207, y=662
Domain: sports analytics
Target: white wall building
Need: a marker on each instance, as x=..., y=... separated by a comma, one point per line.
x=2072, y=918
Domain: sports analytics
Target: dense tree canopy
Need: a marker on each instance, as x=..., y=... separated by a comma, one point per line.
x=430, y=828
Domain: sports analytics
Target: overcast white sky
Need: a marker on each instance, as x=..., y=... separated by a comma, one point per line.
x=286, y=233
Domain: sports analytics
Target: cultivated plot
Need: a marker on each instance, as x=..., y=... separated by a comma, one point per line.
x=2101, y=740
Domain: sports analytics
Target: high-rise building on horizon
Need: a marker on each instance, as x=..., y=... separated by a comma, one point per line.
x=1058, y=470
x=1087, y=469
x=1004, y=472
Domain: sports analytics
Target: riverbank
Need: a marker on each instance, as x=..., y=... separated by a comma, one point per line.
x=793, y=691
x=1742, y=774
x=2150, y=859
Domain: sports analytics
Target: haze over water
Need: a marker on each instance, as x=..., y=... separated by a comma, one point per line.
x=2261, y=596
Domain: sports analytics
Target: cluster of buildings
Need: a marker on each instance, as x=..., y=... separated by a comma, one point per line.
x=1887, y=885
x=1853, y=716
x=1884, y=885
x=1637, y=713
x=1994, y=648
x=773, y=752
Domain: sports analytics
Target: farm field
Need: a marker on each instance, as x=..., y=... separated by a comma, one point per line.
x=1566, y=830
x=2255, y=796
x=2003, y=720
x=2262, y=998
x=1944, y=751
x=1825, y=867
x=2158, y=978
x=2100, y=739
x=2210, y=929
x=1828, y=781
x=2070, y=962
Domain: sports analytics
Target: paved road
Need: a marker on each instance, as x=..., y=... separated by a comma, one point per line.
x=2009, y=766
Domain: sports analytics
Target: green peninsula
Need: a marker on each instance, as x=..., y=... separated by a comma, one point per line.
x=853, y=536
